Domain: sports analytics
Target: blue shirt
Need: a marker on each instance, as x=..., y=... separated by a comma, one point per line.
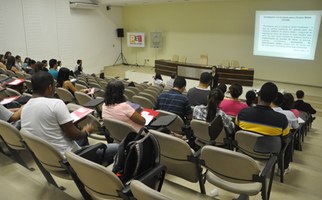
x=175, y=102
x=54, y=73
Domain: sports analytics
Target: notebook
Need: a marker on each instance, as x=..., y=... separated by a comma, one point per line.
x=148, y=115
x=80, y=113
x=9, y=100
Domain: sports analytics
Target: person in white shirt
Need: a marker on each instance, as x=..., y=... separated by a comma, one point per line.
x=292, y=120
x=51, y=120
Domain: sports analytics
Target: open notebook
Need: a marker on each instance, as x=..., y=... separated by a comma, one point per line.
x=148, y=115
x=9, y=100
x=80, y=113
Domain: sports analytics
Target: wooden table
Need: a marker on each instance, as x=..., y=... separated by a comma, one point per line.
x=227, y=75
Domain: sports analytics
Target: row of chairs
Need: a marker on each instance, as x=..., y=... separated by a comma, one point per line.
x=222, y=165
x=93, y=180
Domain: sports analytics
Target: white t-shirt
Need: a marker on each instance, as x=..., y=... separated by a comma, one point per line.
x=43, y=116
x=5, y=114
x=292, y=120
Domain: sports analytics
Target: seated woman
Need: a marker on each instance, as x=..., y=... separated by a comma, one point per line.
x=288, y=104
x=211, y=111
x=158, y=81
x=116, y=107
x=251, y=98
x=64, y=82
x=232, y=106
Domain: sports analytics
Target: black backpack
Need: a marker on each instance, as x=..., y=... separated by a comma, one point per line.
x=136, y=155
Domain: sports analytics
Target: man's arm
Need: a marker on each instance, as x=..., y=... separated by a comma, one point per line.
x=73, y=133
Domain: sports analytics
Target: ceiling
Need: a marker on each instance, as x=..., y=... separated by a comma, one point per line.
x=144, y=2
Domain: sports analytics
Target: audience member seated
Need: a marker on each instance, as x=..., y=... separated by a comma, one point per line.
x=262, y=119
x=44, y=66
x=251, y=98
x=174, y=101
x=30, y=68
x=53, y=68
x=288, y=104
x=51, y=120
x=198, y=95
x=2, y=65
x=233, y=106
x=209, y=112
x=292, y=119
x=223, y=88
x=171, y=80
x=158, y=81
x=79, y=71
x=25, y=63
x=64, y=82
x=301, y=105
x=6, y=56
x=18, y=62
x=116, y=107
x=11, y=64
x=79, y=63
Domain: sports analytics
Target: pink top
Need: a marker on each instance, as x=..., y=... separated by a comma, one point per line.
x=122, y=112
x=232, y=107
x=296, y=112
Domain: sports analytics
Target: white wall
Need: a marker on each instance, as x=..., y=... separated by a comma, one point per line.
x=45, y=29
x=223, y=30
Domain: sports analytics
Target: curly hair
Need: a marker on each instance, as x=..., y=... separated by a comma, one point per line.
x=114, y=93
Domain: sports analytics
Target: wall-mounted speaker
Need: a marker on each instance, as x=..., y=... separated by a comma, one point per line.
x=120, y=32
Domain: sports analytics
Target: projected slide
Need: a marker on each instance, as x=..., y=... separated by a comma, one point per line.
x=135, y=39
x=287, y=34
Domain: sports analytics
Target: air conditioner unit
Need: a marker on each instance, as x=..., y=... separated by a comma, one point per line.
x=82, y=5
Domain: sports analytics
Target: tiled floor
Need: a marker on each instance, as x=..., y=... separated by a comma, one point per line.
x=304, y=181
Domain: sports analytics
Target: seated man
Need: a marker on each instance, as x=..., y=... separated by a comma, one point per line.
x=264, y=120
x=49, y=118
x=301, y=105
x=174, y=101
x=199, y=95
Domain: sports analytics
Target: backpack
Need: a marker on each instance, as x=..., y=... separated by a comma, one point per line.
x=136, y=155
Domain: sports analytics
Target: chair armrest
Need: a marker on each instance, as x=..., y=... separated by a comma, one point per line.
x=269, y=166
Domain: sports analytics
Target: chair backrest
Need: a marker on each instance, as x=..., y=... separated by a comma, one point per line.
x=246, y=141
x=152, y=98
x=225, y=63
x=99, y=182
x=20, y=75
x=204, y=59
x=229, y=165
x=11, y=92
x=48, y=156
x=176, y=125
x=11, y=135
x=136, y=90
x=142, y=101
x=11, y=73
x=65, y=95
x=82, y=98
x=174, y=155
x=201, y=132
x=152, y=92
x=117, y=129
x=82, y=82
x=79, y=86
x=129, y=94
x=142, y=192
x=95, y=85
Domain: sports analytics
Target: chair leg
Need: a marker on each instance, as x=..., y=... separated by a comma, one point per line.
x=269, y=189
x=243, y=197
x=76, y=180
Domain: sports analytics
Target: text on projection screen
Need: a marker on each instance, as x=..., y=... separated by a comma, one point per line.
x=288, y=34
